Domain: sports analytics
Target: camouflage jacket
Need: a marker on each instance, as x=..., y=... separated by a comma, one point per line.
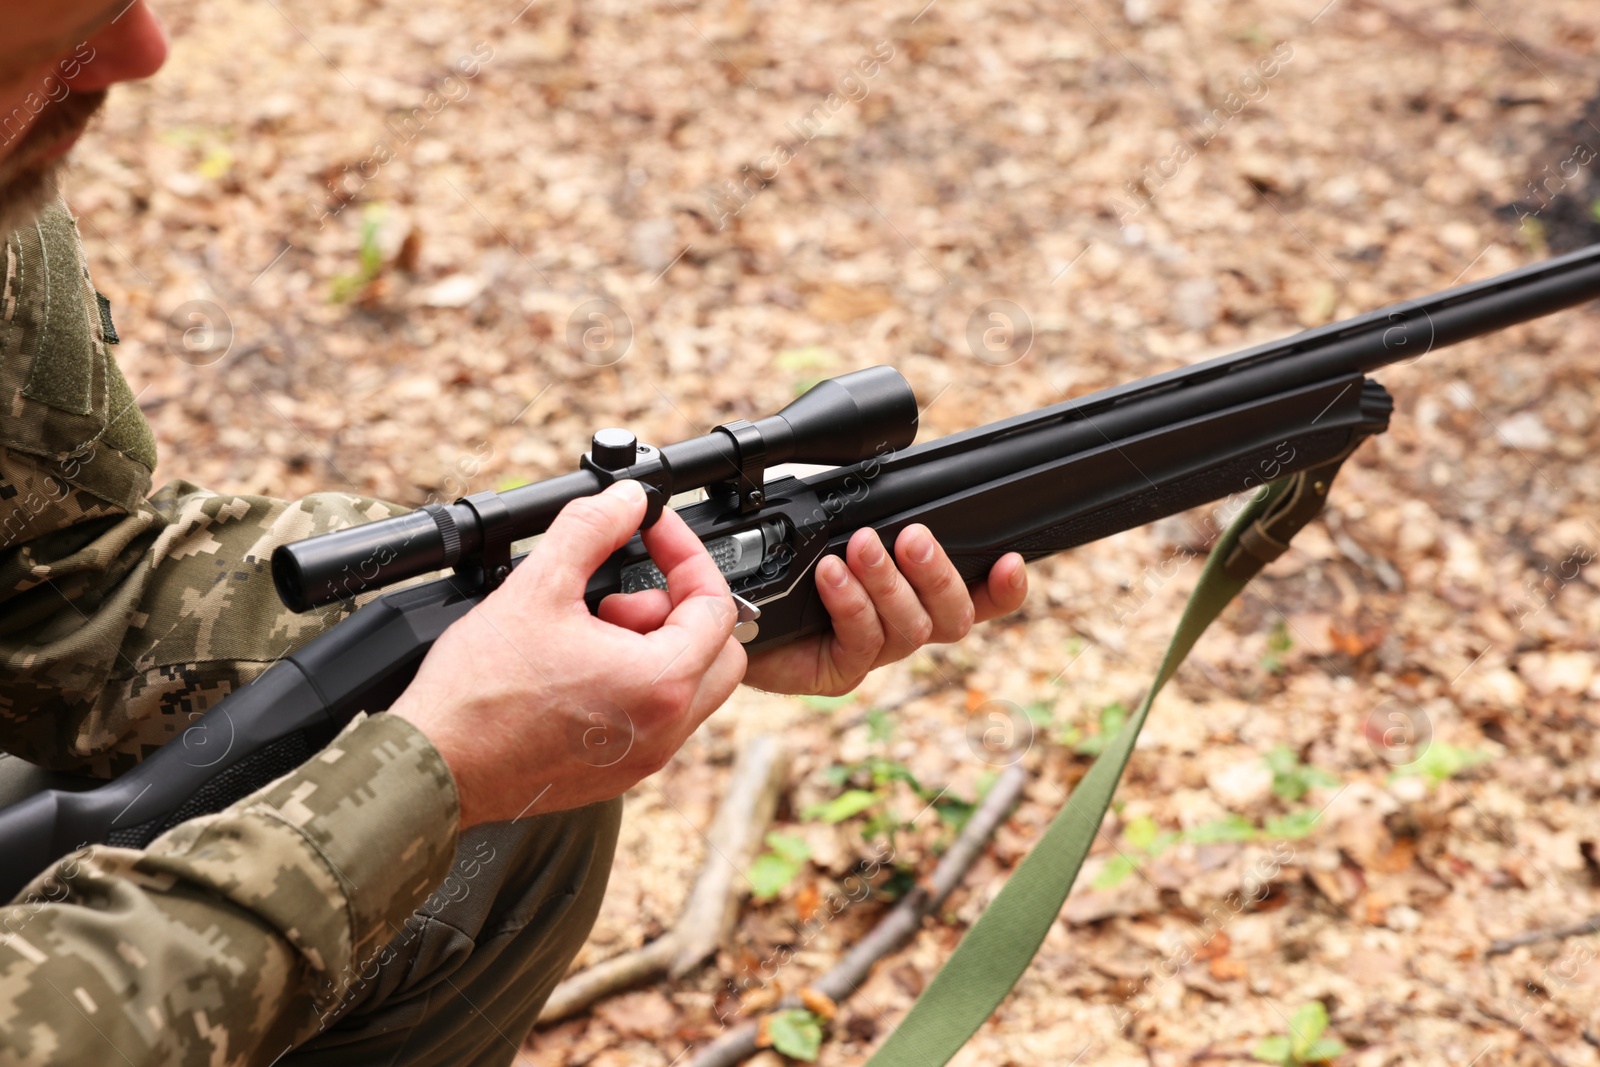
x=121, y=619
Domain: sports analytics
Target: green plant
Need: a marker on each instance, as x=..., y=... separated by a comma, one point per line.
x=870, y=790
x=1292, y=826
x=797, y=1033
x=369, y=258
x=1291, y=779
x=1230, y=828
x=1278, y=645
x=850, y=802
x=1441, y=761
x=1304, y=1042
x=1111, y=720
x=1145, y=841
x=775, y=869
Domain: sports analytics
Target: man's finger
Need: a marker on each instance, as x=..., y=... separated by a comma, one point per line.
x=938, y=584
x=718, y=682
x=640, y=612
x=585, y=532
x=858, y=635
x=703, y=613
x=683, y=559
x=1003, y=591
x=906, y=624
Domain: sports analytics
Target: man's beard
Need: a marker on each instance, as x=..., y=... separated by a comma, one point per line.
x=28, y=184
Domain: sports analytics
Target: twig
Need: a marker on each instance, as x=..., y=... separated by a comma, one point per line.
x=1567, y=60
x=708, y=917
x=1476, y=1004
x=897, y=928
x=1591, y=925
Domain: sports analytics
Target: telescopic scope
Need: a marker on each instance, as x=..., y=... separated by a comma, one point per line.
x=840, y=421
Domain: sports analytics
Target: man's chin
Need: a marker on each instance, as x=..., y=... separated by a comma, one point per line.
x=24, y=195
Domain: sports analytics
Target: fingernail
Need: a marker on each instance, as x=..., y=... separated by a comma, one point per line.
x=872, y=552
x=832, y=571
x=1018, y=577
x=627, y=489
x=919, y=545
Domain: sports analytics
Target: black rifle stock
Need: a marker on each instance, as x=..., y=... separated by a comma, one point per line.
x=1037, y=483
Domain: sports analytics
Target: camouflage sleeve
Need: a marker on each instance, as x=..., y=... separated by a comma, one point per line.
x=122, y=619
x=234, y=936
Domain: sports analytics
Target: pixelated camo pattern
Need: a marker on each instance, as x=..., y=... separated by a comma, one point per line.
x=121, y=619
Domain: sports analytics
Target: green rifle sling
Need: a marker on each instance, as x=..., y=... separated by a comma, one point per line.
x=1002, y=943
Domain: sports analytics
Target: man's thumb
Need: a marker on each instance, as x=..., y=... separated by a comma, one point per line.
x=585, y=532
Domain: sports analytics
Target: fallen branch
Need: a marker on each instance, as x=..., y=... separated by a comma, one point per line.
x=732, y=842
x=897, y=928
x=1591, y=925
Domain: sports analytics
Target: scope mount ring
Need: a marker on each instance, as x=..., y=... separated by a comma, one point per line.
x=749, y=487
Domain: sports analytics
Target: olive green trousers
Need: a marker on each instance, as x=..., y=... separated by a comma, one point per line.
x=463, y=982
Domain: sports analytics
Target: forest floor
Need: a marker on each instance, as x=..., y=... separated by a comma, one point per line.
x=395, y=302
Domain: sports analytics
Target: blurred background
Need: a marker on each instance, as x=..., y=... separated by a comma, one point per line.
x=418, y=249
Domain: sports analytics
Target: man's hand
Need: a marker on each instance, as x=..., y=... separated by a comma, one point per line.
x=538, y=706
x=883, y=610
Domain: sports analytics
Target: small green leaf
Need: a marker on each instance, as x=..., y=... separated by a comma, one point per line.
x=838, y=774
x=1293, y=826
x=1291, y=779
x=1114, y=873
x=792, y=848
x=953, y=811
x=1305, y=1026
x=773, y=870
x=850, y=802
x=216, y=164
x=1278, y=643
x=796, y=1033
x=1273, y=1049
x=879, y=726
x=1232, y=828
x=1323, y=1050
x=1141, y=832
x=769, y=874
x=1112, y=719
x=1442, y=761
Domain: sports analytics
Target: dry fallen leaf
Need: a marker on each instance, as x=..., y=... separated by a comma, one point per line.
x=1354, y=643
x=818, y=1002
x=806, y=900
x=1216, y=947
x=1226, y=968
x=842, y=303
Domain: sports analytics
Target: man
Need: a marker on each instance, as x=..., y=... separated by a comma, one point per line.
x=412, y=893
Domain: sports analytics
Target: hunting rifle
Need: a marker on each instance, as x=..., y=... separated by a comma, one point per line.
x=1036, y=484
